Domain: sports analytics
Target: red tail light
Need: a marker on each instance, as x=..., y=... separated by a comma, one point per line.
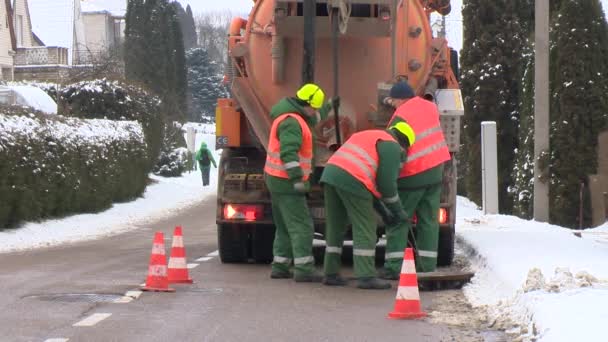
x=243, y=212
x=443, y=216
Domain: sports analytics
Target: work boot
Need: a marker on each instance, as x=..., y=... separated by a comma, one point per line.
x=334, y=280
x=388, y=275
x=372, y=283
x=280, y=275
x=308, y=278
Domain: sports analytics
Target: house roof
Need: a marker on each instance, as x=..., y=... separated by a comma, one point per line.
x=117, y=8
x=53, y=21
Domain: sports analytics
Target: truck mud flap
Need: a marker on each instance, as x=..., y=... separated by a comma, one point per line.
x=443, y=280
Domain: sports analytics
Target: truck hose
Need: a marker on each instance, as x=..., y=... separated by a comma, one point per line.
x=345, y=11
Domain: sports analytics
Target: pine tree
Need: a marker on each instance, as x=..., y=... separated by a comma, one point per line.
x=579, y=107
x=205, y=83
x=181, y=73
x=491, y=62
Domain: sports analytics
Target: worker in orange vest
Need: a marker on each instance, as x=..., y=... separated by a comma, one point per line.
x=362, y=170
x=289, y=165
x=420, y=182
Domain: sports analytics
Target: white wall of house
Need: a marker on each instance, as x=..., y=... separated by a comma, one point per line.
x=22, y=24
x=6, y=48
x=99, y=31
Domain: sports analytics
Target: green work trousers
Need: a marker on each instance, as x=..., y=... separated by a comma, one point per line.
x=425, y=204
x=340, y=208
x=293, y=234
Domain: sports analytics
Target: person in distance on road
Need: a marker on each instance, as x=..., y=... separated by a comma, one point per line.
x=205, y=159
x=289, y=165
x=420, y=181
x=362, y=170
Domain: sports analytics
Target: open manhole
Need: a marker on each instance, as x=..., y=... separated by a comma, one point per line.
x=78, y=297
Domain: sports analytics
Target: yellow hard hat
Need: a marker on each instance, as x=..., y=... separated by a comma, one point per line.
x=311, y=94
x=406, y=130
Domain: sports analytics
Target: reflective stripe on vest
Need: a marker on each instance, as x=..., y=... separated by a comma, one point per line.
x=274, y=165
x=359, y=157
x=430, y=148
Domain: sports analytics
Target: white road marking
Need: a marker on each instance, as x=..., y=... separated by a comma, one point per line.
x=123, y=300
x=133, y=294
x=57, y=340
x=190, y=266
x=92, y=320
x=204, y=259
x=142, y=284
x=214, y=254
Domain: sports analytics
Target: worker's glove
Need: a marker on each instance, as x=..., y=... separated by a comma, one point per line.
x=384, y=212
x=300, y=187
x=335, y=101
x=397, y=212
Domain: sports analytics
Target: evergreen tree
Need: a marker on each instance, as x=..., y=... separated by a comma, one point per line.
x=579, y=107
x=155, y=53
x=491, y=65
x=134, y=38
x=205, y=83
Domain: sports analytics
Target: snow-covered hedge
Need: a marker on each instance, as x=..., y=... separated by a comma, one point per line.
x=52, y=165
x=116, y=100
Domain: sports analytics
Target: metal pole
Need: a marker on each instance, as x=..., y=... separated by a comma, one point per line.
x=394, y=39
x=335, y=21
x=308, y=63
x=489, y=167
x=541, y=107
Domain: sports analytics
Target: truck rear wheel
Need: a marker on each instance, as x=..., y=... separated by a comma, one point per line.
x=261, y=244
x=446, y=246
x=233, y=242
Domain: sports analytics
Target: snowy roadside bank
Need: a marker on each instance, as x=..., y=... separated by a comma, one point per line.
x=535, y=280
x=168, y=196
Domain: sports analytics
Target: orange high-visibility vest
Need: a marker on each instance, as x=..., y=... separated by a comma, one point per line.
x=359, y=157
x=274, y=165
x=430, y=148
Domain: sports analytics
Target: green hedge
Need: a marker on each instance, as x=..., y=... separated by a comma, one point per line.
x=116, y=100
x=52, y=166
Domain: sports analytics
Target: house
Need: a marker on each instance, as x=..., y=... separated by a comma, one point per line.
x=104, y=23
x=59, y=23
x=7, y=42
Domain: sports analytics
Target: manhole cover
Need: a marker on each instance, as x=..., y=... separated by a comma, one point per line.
x=78, y=297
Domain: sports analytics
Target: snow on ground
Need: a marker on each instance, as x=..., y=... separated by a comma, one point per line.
x=536, y=280
x=166, y=197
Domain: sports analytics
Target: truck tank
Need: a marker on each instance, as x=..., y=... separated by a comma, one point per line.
x=380, y=42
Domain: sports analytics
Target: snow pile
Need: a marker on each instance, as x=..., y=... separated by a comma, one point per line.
x=535, y=280
x=30, y=96
x=166, y=197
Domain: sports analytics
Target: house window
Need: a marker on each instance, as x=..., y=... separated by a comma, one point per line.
x=19, y=30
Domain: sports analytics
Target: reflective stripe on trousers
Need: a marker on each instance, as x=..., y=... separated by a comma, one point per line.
x=427, y=254
x=393, y=255
x=303, y=260
x=334, y=250
x=364, y=252
x=281, y=260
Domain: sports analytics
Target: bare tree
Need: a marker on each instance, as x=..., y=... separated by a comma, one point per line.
x=212, y=29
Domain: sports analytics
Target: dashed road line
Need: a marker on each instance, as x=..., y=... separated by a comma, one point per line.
x=123, y=300
x=203, y=259
x=213, y=254
x=57, y=340
x=92, y=320
x=133, y=294
x=191, y=266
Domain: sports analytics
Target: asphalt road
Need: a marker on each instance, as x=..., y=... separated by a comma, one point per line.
x=69, y=293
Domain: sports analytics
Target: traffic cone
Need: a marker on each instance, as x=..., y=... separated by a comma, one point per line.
x=407, y=302
x=157, y=270
x=178, y=269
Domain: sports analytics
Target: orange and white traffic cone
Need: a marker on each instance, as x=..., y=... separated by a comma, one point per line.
x=407, y=302
x=178, y=269
x=157, y=270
